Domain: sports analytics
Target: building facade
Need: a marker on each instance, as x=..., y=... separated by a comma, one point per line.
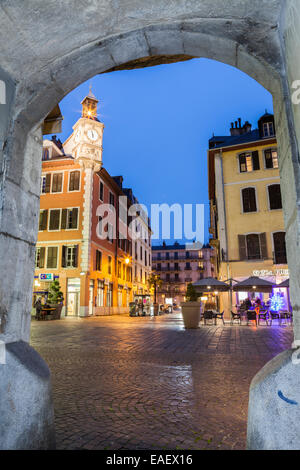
x=178, y=265
x=246, y=217
x=85, y=238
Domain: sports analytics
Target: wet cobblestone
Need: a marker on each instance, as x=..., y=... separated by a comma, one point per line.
x=146, y=383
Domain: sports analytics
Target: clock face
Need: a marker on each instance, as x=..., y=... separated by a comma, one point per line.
x=92, y=134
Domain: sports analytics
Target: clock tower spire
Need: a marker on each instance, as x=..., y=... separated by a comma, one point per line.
x=89, y=106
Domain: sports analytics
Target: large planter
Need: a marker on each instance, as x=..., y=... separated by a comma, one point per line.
x=191, y=314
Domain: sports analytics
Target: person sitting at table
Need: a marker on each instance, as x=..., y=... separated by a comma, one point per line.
x=257, y=306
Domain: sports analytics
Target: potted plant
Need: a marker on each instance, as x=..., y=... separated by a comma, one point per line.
x=191, y=308
x=55, y=299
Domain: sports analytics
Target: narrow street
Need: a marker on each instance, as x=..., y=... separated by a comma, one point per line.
x=146, y=383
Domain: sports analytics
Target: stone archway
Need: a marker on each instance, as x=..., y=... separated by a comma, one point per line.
x=50, y=49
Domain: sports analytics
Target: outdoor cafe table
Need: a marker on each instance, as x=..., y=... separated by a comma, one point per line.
x=46, y=310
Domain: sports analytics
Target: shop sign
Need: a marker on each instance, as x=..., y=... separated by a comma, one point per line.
x=266, y=273
x=46, y=277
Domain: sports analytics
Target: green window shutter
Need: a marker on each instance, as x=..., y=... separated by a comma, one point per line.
x=76, y=256
x=64, y=219
x=48, y=183
x=255, y=160
x=63, y=257
x=42, y=257
x=54, y=219
x=242, y=247
x=263, y=245
x=75, y=218
x=43, y=220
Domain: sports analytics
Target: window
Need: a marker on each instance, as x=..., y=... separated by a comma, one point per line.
x=110, y=233
x=120, y=297
x=40, y=257
x=249, y=200
x=146, y=259
x=57, y=182
x=279, y=248
x=101, y=191
x=98, y=266
x=74, y=181
x=271, y=159
x=253, y=246
x=100, y=294
x=268, y=129
x=69, y=256
x=111, y=199
x=136, y=251
x=52, y=254
x=176, y=267
x=176, y=255
x=109, y=265
x=249, y=162
x=141, y=253
x=43, y=220
x=119, y=269
x=188, y=267
x=54, y=219
x=167, y=255
x=69, y=219
x=100, y=226
x=275, y=200
x=109, y=295
x=45, y=183
x=46, y=154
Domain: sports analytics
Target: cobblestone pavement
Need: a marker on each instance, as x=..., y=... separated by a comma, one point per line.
x=146, y=383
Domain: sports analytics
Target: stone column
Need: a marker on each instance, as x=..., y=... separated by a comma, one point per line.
x=26, y=409
x=274, y=403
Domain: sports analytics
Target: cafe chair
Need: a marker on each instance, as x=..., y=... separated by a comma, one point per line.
x=209, y=315
x=220, y=316
x=278, y=316
x=236, y=317
x=251, y=316
x=263, y=316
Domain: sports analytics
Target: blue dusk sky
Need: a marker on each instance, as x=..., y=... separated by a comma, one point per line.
x=158, y=121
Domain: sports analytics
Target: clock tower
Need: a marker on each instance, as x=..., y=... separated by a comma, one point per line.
x=85, y=143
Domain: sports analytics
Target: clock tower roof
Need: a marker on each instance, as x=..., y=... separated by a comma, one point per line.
x=89, y=106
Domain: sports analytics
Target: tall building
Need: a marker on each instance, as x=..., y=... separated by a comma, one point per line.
x=82, y=242
x=178, y=265
x=246, y=217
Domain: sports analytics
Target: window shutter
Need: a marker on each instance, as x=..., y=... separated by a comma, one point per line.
x=42, y=257
x=48, y=183
x=242, y=247
x=263, y=245
x=59, y=182
x=77, y=181
x=255, y=160
x=76, y=256
x=44, y=220
x=74, y=218
x=64, y=219
x=63, y=258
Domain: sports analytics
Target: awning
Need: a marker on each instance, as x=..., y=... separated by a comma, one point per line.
x=285, y=283
x=210, y=285
x=254, y=284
